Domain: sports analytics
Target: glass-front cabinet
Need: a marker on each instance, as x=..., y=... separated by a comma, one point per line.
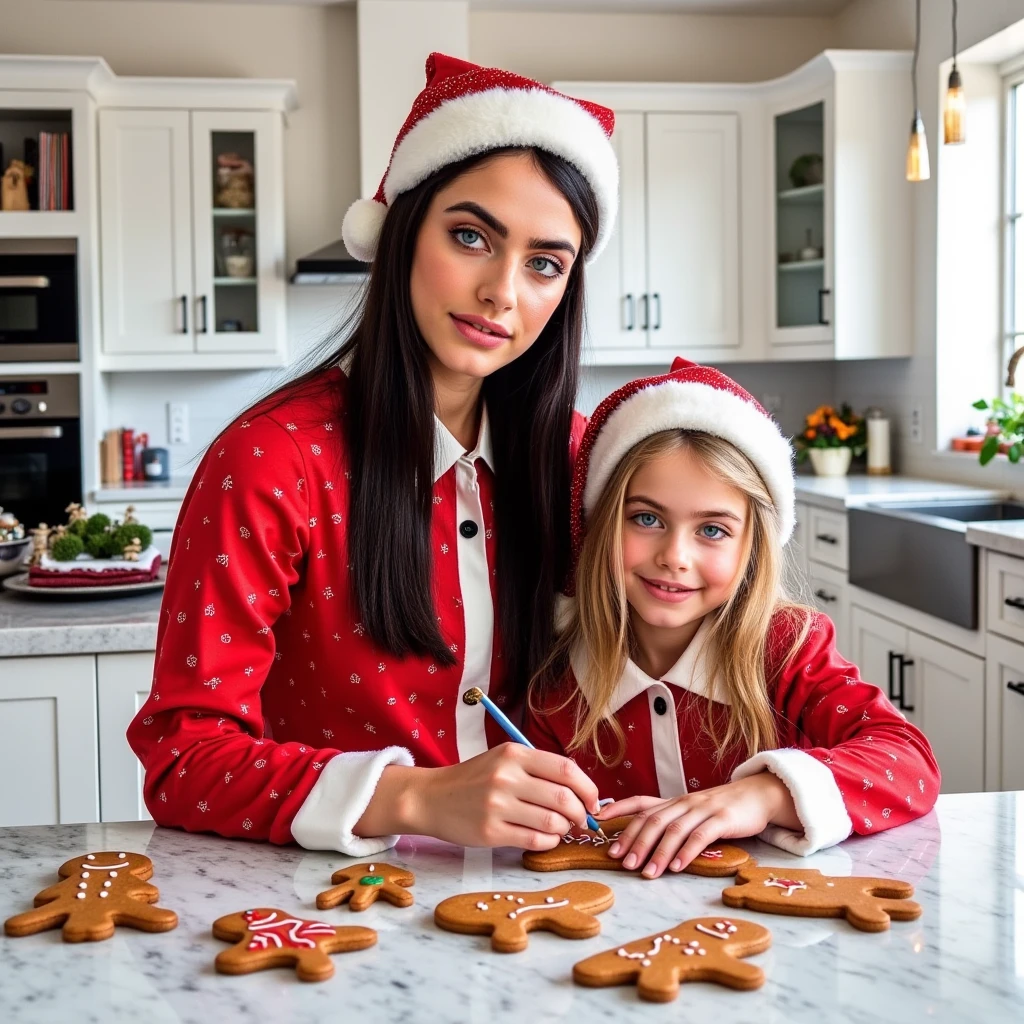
x=802, y=207
x=193, y=237
x=234, y=261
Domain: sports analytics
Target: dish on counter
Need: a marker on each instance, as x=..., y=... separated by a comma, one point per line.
x=19, y=585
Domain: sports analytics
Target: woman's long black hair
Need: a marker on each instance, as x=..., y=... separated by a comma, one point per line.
x=389, y=424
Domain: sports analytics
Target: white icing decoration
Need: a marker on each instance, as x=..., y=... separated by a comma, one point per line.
x=481, y=905
x=702, y=952
x=85, y=874
x=549, y=899
x=693, y=943
x=106, y=885
x=830, y=884
x=688, y=951
x=785, y=883
x=644, y=957
x=548, y=904
x=520, y=900
x=373, y=867
x=83, y=885
x=510, y=897
x=80, y=895
x=104, y=895
x=112, y=868
x=496, y=896
x=113, y=874
x=121, y=856
x=722, y=929
x=90, y=856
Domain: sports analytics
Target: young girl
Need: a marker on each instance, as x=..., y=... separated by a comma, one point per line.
x=392, y=528
x=684, y=683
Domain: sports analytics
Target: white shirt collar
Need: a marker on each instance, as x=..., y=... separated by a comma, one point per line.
x=690, y=673
x=448, y=451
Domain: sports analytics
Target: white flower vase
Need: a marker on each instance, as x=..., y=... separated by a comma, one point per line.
x=831, y=461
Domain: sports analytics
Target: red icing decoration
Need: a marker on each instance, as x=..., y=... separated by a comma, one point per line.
x=283, y=932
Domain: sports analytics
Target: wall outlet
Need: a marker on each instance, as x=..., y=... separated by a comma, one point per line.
x=177, y=423
x=916, y=431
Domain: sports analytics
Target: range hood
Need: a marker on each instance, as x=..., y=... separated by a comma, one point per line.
x=330, y=265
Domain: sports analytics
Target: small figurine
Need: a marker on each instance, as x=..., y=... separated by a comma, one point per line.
x=129, y=515
x=133, y=550
x=40, y=537
x=14, y=186
x=10, y=528
x=75, y=512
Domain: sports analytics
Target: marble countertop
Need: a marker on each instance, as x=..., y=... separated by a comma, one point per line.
x=143, y=490
x=1006, y=536
x=843, y=492
x=962, y=961
x=31, y=626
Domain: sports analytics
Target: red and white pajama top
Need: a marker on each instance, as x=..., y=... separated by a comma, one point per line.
x=272, y=713
x=850, y=760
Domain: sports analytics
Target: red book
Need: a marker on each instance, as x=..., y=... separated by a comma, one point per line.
x=128, y=453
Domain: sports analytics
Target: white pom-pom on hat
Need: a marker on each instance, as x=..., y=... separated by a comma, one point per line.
x=361, y=228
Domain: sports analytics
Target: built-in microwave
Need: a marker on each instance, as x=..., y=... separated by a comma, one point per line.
x=38, y=303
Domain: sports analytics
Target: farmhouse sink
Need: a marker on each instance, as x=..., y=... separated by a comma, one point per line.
x=917, y=553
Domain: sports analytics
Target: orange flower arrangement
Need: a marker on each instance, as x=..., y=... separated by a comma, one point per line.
x=828, y=427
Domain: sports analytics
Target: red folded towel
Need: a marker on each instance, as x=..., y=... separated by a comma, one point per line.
x=90, y=577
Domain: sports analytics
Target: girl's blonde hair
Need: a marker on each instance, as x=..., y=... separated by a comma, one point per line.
x=598, y=625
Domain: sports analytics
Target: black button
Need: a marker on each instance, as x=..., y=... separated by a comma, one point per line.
x=468, y=529
x=660, y=706
x=21, y=405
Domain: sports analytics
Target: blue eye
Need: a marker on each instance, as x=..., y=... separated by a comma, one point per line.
x=467, y=237
x=539, y=263
x=648, y=520
x=712, y=532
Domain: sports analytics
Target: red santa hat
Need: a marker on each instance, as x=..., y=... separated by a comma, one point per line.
x=465, y=109
x=689, y=397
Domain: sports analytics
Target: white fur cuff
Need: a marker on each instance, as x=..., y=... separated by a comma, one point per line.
x=819, y=804
x=337, y=802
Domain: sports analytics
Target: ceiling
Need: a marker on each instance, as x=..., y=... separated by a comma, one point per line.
x=806, y=8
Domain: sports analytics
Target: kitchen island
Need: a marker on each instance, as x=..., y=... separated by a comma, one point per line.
x=962, y=961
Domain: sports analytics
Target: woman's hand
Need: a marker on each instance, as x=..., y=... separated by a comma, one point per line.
x=509, y=796
x=677, y=830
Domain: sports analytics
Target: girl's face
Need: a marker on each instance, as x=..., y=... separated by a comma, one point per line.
x=683, y=542
x=491, y=264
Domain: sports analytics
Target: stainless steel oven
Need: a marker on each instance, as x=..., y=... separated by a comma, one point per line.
x=38, y=303
x=40, y=447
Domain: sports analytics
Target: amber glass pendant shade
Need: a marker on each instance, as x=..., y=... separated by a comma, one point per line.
x=954, y=111
x=918, y=168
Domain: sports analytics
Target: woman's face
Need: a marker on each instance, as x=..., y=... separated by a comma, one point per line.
x=491, y=265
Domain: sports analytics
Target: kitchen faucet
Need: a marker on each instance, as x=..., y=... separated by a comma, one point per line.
x=1011, y=369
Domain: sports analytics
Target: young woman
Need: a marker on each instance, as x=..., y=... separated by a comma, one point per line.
x=685, y=684
x=389, y=530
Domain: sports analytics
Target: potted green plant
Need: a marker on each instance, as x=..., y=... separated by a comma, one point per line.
x=831, y=437
x=1006, y=428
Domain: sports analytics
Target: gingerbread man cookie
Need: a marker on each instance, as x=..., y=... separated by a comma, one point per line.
x=97, y=892
x=267, y=937
x=359, y=885
x=867, y=903
x=582, y=848
x=703, y=949
x=566, y=910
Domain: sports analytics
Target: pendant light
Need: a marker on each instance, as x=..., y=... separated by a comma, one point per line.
x=917, y=151
x=954, y=109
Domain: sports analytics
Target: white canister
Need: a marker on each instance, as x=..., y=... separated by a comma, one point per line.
x=879, y=459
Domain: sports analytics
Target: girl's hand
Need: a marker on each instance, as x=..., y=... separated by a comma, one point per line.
x=677, y=830
x=509, y=796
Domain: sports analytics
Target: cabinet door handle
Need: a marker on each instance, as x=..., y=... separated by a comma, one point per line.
x=184, y=314
x=1015, y=602
x=1016, y=687
x=827, y=538
x=644, y=306
x=892, y=689
x=904, y=662
x=628, y=303
x=822, y=292
x=824, y=595
x=657, y=323
x=202, y=309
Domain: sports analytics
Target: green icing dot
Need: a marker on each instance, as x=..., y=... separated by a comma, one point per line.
x=371, y=880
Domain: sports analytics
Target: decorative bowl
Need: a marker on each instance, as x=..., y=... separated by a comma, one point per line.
x=12, y=553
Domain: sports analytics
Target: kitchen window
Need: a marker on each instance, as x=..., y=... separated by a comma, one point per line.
x=1013, y=242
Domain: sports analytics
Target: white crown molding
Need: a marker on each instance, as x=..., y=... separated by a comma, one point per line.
x=93, y=75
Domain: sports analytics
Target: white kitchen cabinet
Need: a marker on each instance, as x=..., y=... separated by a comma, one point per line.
x=937, y=687
x=123, y=683
x=852, y=297
x=1005, y=595
x=188, y=282
x=827, y=538
x=1004, y=682
x=48, y=753
x=669, y=278
x=830, y=594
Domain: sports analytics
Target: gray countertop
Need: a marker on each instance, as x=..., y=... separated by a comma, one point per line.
x=842, y=492
x=1006, y=536
x=31, y=626
x=962, y=961
x=144, y=490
